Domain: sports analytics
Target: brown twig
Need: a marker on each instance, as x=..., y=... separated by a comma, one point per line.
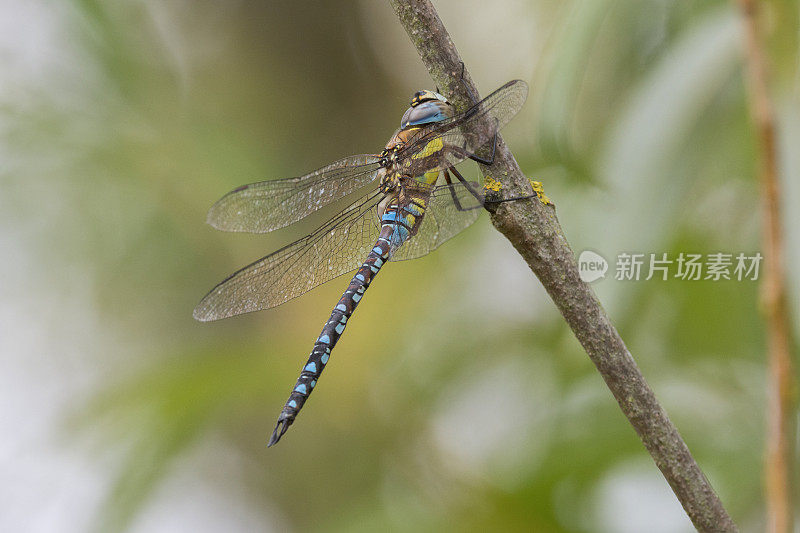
x=533, y=229
x=781, y=384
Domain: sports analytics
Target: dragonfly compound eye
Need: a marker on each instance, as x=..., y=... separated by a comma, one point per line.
x=426, y=112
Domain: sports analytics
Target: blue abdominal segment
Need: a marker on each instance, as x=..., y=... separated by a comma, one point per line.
x=400, y=232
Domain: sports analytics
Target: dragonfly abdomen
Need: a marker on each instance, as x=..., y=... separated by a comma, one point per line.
x=334, y=328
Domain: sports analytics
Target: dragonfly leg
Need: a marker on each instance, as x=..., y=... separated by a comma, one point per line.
x=478, y=196
x=490, y=160
x=538, y=192
x=466, y=184
x=452, y=192
x=466, y=154
x=511, y=199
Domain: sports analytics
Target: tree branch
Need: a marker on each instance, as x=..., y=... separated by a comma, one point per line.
x=533, y=229
x=781, y=382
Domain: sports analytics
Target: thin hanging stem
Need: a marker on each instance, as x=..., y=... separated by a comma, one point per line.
x=781, y=380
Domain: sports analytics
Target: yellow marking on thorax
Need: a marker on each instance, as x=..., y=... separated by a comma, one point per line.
x=429, y=177
x=431, y=148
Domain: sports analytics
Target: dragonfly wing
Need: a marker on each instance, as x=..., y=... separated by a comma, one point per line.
x=451, y=209
x=448, y=142
x=336, y=247
x=268, y=205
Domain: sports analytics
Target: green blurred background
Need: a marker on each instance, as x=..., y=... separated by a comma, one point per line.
x=122, y=122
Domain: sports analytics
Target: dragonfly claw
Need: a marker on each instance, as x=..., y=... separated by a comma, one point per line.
x=283, y=425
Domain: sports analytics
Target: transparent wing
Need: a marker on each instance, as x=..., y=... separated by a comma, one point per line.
x=336, y=247
x=451, y=209
x=446, y=143
x=268, y=205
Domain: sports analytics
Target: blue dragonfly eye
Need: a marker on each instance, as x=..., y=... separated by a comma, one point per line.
x=426, y=112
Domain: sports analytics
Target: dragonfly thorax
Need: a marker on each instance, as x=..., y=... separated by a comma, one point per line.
x=389, y=180
x=390, y=155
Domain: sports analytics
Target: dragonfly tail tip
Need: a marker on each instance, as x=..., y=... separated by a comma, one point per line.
x=280, y=429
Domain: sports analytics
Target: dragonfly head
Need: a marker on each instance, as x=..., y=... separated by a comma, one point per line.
x=426, y=107
x=426, y=96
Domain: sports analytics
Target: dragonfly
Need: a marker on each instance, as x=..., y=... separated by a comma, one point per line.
x=405, y=202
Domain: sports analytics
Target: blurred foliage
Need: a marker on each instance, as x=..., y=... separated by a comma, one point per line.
x=468, y=406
